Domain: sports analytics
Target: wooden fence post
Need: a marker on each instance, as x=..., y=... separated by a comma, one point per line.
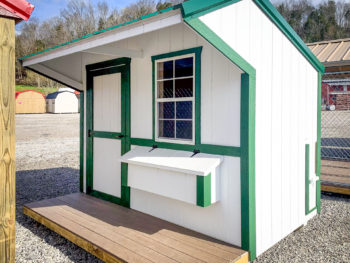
x=7, y=140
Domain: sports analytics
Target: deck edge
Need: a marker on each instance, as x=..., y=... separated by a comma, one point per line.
x=74, y=238
x=335, y=189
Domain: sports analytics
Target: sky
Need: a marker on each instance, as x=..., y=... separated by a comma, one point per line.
x=48, y=8
x=45, y=9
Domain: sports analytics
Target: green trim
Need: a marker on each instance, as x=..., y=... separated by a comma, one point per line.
x=121, y=65
x=107, y=135
x=287, y=30
x=307, y=181
x=197, y=8
x=81, y=100
x=203, y=148
x=247, y=149
x=197, y=51
x=107, y=197
x=318, y=145
x=103, y=31
x=204, y=190
x=248, y=210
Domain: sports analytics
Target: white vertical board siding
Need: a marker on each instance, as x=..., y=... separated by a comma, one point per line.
x=286, y=117
x=106, y=168
x=107, y=103
x=221, y=220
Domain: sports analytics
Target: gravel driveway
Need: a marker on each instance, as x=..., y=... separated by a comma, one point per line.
x=47, y=153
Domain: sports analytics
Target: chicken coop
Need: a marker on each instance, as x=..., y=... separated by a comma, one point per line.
x=191, y=123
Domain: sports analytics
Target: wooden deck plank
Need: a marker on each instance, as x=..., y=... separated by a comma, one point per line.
x=89, y=244
x=104, y=230
x=115, y=234
x=135, y=235
x=161, y=226
x=164, y=225
x=336, y=189
x=335, y=176
x=154, y=226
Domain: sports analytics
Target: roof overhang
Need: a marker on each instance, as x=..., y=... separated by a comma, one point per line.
x=54, y=63
x=105, y=42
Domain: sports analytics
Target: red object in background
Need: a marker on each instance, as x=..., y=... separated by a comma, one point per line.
x=20, y=8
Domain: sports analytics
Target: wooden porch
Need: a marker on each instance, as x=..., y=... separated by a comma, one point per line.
x=335, y=176
x=117, y=234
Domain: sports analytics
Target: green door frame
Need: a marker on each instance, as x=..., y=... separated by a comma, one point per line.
x=120, y=65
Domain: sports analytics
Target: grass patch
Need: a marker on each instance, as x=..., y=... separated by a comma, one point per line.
x=42, y=90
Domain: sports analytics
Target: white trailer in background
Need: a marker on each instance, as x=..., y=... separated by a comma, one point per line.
x=193, y=114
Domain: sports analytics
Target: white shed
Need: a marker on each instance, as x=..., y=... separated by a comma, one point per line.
x=194, y=115
x=62, y=102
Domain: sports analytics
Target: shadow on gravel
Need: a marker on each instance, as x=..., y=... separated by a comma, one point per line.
x=35, y=185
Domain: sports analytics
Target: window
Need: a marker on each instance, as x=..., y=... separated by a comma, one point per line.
x=175, y=98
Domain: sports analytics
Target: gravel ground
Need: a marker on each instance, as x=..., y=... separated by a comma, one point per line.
x=47, y=153
x=326, y=237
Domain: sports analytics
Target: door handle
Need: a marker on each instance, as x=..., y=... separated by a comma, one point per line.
x=121, y=136
x=90, y=133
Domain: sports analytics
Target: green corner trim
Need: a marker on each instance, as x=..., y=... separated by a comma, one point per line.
x=318, y=144
x=81, y=141
x=197, y=51
x=120, y=65
x=247, y=144
x=282, y=24
x=248, y=210
x=204, y=190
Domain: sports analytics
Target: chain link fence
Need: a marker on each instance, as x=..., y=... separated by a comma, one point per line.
x=335, y=122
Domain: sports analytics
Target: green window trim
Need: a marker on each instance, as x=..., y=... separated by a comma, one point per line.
x=203, y=148
x=120, y=65
x=197, y=51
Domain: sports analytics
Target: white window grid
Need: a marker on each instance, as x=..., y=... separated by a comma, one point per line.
x=174, y=99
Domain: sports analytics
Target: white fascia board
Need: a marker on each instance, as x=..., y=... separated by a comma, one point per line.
x=141, y=27
x=57, y=76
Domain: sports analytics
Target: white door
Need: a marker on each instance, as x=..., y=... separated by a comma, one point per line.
x=107, y=119
x=108, y=131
